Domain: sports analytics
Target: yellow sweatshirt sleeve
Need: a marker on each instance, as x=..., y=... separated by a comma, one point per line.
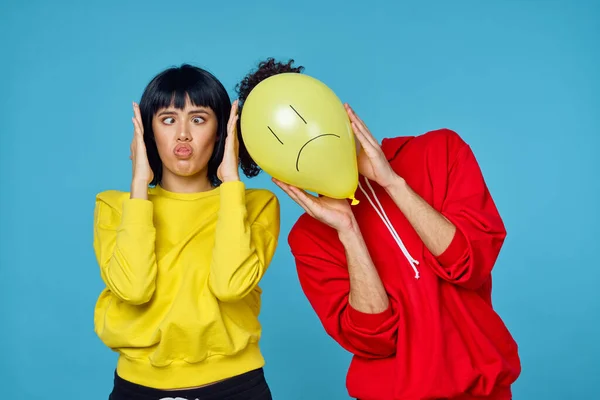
x=124, y=239
x=245, y=241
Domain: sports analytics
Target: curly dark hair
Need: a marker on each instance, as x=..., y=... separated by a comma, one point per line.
x=265, y=69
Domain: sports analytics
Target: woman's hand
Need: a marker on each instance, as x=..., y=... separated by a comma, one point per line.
x=229, y=169
x=142, y=173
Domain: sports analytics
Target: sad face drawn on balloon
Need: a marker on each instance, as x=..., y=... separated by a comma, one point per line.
x=297, y=130
x=305, y=144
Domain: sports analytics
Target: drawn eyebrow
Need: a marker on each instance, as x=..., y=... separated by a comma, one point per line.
x=298, y=113
x=276, y=137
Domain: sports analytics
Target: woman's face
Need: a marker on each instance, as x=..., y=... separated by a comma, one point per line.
x=185, y=139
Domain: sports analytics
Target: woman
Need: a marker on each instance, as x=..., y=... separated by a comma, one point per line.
x=183, y=253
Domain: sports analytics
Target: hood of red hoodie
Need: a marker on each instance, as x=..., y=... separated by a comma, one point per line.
x=392, y=146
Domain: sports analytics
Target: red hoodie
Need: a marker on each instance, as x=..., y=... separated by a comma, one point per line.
x=440, y=338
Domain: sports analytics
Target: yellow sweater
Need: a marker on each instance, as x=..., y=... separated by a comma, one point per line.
x=182, y=300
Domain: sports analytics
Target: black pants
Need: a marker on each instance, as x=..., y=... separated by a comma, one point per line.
x=249, y=386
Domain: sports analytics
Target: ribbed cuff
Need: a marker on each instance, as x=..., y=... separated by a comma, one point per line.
x=457, y=248
x=233, y=194
x=368, y=321
x=137, y=212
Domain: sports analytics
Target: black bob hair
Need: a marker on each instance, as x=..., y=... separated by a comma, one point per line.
x=172, y=87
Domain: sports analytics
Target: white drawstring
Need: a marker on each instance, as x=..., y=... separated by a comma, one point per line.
x=381, y=212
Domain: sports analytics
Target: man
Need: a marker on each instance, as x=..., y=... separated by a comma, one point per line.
x=403, y=279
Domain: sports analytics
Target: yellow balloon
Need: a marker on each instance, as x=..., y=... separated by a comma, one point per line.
x=297, y=130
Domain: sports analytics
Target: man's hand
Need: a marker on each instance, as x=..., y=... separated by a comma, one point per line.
x=372, y=163
x=367, y=293
x=333, y=212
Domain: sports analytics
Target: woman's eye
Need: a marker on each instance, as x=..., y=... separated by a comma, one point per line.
x=198, y=120
x=169, y=120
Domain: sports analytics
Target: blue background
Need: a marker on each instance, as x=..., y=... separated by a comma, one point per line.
x=519, y=80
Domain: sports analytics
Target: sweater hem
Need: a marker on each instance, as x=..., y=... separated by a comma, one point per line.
x=180, y=374
x=499, y=393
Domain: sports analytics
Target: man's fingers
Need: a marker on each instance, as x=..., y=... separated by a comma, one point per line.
x=287, y=189
x=366, y=145
x=354, y=116
x=361, y=126
x=307, y=201
x=360, y=136
x=298, y=195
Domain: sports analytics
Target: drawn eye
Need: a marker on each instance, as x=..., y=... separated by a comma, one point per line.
x=298, y=114
x=274, y=134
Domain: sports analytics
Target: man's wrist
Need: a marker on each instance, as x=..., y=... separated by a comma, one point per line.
x=350, y=235
x=398, y=188
x=396, y=183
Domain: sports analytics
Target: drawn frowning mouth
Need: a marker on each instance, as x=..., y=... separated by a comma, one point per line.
x=305, y=144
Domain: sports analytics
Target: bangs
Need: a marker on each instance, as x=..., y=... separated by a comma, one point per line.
x=175, y=86
x=172, y=88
